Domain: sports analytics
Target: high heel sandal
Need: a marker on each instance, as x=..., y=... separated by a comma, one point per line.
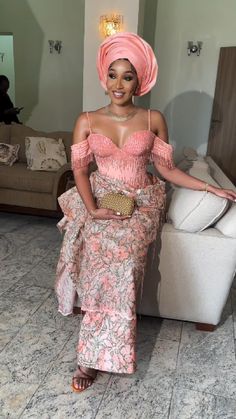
x=84, y=380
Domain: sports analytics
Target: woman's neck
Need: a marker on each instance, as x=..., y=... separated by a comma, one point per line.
x=121, y=109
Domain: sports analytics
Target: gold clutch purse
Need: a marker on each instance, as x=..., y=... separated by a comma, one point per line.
x=118, y=202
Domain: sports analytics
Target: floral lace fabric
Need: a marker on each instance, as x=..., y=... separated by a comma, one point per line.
x=99, y=261
x=105, y=269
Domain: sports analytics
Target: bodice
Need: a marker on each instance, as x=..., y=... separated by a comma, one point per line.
x=127, y=163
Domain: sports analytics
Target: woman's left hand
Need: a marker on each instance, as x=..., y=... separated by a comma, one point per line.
x=225, y=193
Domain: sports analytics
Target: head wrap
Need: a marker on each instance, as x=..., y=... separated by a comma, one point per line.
x=137, y=51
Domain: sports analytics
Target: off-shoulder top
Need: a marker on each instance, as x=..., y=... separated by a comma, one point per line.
x=127, y=163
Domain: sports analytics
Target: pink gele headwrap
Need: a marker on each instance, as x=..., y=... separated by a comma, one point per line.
x=137, y=51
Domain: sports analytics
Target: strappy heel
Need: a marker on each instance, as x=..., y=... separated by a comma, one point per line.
x=84, y=380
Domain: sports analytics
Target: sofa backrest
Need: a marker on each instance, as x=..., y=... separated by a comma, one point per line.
x=18, y=133
x=5, y=133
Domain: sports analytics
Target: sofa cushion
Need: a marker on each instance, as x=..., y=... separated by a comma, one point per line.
x=227, y=224
x=194, y=211
x=18, y=177
x=5, y=133
x=18, y=134
x=45, y=153
x=8, y=153
x=67, y=140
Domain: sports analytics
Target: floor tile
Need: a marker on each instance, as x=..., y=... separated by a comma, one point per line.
x=188, y=404
x=153, y=354
x=55, y=398
x=28, y=356
x=132, y=397
x=225, y=408
x=206, y=349
x=16, y=307
x=14, y=397
x=215, y=381
x=44, y=273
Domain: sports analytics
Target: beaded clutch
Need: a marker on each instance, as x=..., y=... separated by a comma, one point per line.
x=118, y=202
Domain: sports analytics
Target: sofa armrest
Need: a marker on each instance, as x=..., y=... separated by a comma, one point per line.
x=196, y=271
x=61, y=178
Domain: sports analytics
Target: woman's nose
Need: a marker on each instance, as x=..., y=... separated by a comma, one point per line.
x=119, y=83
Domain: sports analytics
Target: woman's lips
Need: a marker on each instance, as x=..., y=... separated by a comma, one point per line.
x=118, y=95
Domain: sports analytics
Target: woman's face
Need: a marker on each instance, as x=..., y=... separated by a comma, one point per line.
x=121, y=82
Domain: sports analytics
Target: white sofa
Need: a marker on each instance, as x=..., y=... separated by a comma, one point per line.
x=191, y=275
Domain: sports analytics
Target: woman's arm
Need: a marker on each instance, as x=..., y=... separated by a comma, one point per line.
x=177, y=176
x=81, y=175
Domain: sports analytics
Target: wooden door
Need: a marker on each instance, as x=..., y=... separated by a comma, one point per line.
x=222, y=135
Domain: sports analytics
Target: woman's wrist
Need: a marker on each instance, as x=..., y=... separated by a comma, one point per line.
x=92, y=211
x=208, y=188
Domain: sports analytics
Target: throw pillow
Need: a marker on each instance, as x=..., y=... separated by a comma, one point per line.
x=227, y=224
x=9, y=153
x=194, y=211
x=44, y=153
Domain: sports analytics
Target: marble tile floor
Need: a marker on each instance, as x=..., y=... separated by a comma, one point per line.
x=182, y=373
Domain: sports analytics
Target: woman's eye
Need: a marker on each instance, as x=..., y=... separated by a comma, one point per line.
x=128, y=78
x=111, y=76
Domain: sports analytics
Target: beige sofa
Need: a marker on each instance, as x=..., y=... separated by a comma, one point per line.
x=27, y=191
x=192, y=274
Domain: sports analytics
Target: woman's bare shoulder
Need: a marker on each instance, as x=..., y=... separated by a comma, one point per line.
x=81, y=129
x=83, y=124
x=158, y=124
x=157, y=115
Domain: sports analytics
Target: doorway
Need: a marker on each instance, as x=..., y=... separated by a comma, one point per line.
x=222, y=135
x=7, y=66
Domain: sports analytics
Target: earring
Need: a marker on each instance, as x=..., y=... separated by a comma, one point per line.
x=106, y=92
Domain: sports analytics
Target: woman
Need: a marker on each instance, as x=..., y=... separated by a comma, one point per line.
x=103, y=254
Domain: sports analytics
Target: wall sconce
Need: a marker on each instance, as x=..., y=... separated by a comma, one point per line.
x=194, y=48
x=57, y=45
x=2, y=56
x=110, y=24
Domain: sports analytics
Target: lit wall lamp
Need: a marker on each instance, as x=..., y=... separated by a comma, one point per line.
x=57, y=45
x=110, y=24
x=194, y=48
x=2, y=56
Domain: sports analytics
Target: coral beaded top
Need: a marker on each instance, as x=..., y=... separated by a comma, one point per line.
x=127, y=163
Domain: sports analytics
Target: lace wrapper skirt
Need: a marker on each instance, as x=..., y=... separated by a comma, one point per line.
x=103, y=261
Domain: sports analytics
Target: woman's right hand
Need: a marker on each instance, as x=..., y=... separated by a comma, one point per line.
x=106, y=214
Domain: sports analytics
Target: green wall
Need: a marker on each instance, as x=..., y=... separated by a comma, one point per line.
x=49, y=86
x=146, y=29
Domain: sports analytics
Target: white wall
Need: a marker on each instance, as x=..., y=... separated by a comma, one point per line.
x=7, y=67
x=94, y=97
x=185, y=87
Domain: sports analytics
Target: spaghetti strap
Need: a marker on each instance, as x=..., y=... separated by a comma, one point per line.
x=89, y=124
x=149, y=120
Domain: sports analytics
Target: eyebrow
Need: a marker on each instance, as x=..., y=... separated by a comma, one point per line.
x=128, y=71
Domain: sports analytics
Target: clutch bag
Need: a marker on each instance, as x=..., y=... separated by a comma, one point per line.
x=118, y=202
